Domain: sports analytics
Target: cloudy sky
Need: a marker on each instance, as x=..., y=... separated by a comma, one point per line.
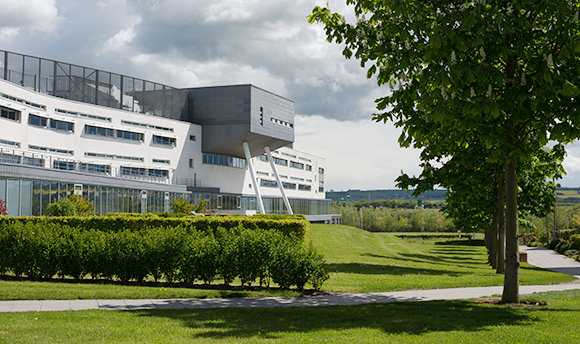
x=188, y=43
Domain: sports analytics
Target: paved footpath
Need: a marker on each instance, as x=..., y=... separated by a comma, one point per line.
x=536, y=256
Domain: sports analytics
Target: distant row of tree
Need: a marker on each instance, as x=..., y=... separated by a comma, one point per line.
x=392, y=204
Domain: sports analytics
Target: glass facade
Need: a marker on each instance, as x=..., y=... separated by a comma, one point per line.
x=26, y=197
x=92, y=86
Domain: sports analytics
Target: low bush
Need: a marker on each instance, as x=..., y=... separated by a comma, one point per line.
x=44, y=249
x=292, y=226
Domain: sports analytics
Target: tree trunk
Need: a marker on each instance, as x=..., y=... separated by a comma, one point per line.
x=501, y=227
x=491, y=239
x=512, y=267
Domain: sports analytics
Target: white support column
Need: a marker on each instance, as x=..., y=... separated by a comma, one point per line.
x=288, y=207
x=253, y=176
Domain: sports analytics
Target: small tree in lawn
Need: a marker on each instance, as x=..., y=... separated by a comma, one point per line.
x=506, y=72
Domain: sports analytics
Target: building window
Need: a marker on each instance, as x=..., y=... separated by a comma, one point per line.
x=108, y=132
x=190, y=163
x=161, y=161
x=224, y=160
x=132, y=171
x=37, y=162
x=98, y=131
x=262, y=158
x=95, y=168
x=296, y=164
x=151, y=172
x=61, y=125
x=320, y=189
x=79, y=114
x=51, y=150
x=9, y=143
x=304, y=187
x=279, y=161
x=9, y=158
x=63, y=165
x=129, y=135
x=291, y=186
x=37, y=121
x=268, y=183
x=192, y=138
x=261, y=116
x=308, y=168
x=145, y=125
x=320, y=170
x=9, y=113
x=162, y=140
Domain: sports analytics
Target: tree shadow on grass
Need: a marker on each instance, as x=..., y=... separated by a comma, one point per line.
x=414, y=318
x=383, y=269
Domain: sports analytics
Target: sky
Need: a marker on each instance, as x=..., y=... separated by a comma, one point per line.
x=195, y=43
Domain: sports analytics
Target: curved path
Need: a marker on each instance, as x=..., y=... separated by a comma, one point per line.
x=536, y=256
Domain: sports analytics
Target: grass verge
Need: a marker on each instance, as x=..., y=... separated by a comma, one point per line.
x=423, y=322
x=367, y=262
x=358, y=261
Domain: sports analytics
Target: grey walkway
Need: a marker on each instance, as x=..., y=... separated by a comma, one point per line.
x=551, y=260
x=535, y=257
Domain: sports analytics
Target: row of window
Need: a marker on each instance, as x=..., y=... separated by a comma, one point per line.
x=140, y=171
x=281, y=122
x=9, y=113
x=24, y=160
x=52, y=123
x=145, y=125
x=84, y=115
x=22, y=101
x=113, y=156
x=273, y=184
x=224, y=160
x=108, y=132
x=284, y=162
x=51, y=150
x=9, y=143
x=162, y=140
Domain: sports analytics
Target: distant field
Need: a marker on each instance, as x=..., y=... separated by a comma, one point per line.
x=568, y=195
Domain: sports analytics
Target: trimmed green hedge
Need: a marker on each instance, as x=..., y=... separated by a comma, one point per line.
x=294, y=225
x=42, y=249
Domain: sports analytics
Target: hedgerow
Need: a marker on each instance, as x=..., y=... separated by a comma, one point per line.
x=294, y=225
x=42, y=249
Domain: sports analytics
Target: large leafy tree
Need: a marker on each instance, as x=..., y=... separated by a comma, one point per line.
x=503, y=71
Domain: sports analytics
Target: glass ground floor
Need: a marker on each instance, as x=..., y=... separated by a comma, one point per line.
x=25, y=197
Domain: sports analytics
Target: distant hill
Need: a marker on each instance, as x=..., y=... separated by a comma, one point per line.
x=568, y=195
x=565, y=195
x=371, y=195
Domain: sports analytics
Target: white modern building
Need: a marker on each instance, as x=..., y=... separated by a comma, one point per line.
x=130, y=145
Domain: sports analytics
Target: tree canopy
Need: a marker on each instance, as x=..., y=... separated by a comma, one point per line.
x=502, y=72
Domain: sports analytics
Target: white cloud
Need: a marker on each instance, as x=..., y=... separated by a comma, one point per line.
x=359, y=154
x=30, y=15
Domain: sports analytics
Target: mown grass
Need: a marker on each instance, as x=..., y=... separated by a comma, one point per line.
x=27, y=290
x=411, y=322
x=358, y=261
x=366, y=262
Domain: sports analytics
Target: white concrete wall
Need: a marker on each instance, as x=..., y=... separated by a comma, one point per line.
x=228, y=179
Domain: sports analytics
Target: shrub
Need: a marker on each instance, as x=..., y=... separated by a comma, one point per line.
x=62, y=207
x=3, y=209
x=45, y=249
x=71, y=206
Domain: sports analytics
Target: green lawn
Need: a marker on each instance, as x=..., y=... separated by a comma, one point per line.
x=358, y=261
x=25, y=290
x=426, y=322
x=366, y=262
